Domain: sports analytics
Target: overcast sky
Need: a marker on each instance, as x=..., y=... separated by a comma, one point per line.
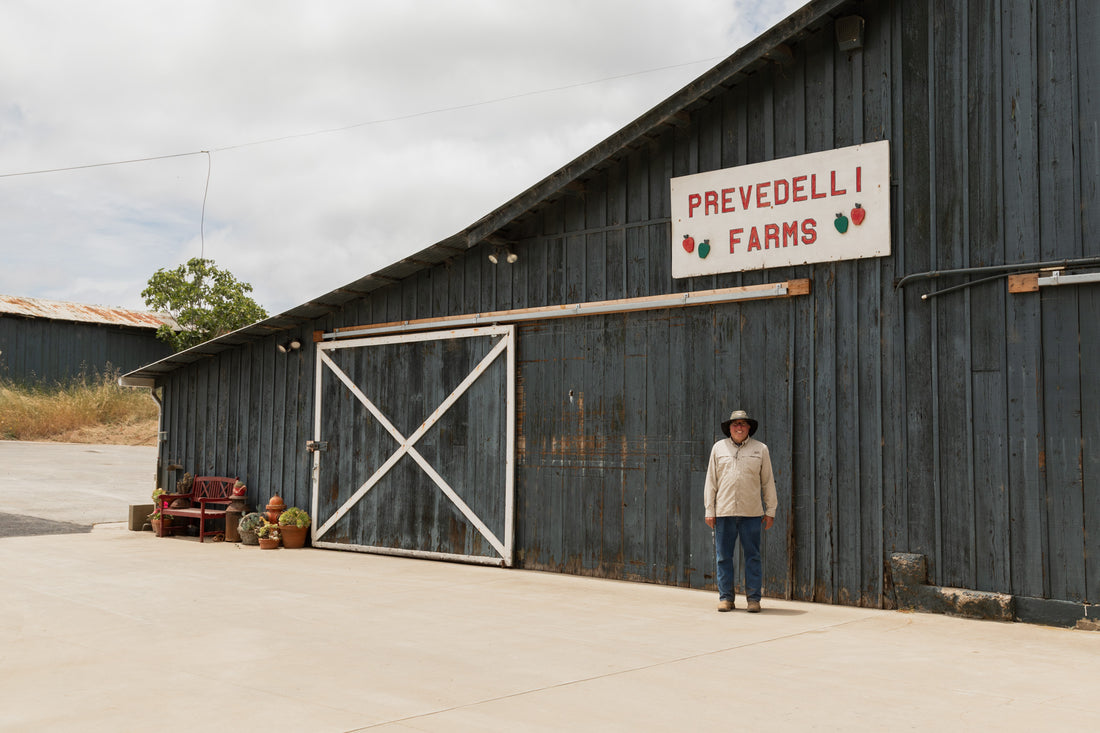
x=343, y=134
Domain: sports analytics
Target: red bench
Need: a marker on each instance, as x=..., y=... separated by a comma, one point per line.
x=205, y=491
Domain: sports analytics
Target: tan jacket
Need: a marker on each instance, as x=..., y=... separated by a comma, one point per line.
x=738, y=477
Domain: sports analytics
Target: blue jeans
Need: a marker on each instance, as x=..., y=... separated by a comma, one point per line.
x=726, y=532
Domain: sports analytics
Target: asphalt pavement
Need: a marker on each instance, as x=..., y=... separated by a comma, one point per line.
x=56, y=488
x=113, y=630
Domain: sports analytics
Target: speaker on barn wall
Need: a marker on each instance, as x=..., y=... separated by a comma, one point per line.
x=849, y=33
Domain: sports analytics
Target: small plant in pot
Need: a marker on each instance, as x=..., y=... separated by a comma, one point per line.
x=247, y=527
x=294, y=525
x=268, y=535
x=157, y=517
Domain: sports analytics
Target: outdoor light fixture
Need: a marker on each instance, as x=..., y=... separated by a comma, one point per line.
x=292, y=345
x=849, y=33
x=504, y=253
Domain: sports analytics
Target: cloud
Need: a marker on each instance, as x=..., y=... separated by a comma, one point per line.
x=426, y=149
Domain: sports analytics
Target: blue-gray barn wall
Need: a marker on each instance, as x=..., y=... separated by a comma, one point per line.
x=41, y=351
x=245, y=413
x=962, y=427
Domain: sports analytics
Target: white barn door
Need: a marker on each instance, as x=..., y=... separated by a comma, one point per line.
x=413, y=450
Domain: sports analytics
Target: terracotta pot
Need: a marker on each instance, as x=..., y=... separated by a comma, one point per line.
x=266, y=543
x=293, y=535
x=158, y=527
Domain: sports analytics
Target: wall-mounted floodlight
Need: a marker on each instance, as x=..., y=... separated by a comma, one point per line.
x=292, y=345
x=503, y=253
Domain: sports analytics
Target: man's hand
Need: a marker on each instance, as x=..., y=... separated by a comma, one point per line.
x=710, y=522
x=768, y=521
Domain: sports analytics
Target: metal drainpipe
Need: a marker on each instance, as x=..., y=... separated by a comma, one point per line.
x=160, y=432
x=1001, y=271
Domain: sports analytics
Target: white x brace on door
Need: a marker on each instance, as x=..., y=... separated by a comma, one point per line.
x=413, y=450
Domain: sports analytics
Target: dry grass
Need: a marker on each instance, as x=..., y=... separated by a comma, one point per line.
x=96, y=411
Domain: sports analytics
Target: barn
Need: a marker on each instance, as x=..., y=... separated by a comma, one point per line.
x=874, y=227
x=47, y=342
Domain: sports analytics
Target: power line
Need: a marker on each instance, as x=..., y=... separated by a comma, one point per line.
x=471, y=105
x=344, y=128
x=202, y=218
x=101, y=165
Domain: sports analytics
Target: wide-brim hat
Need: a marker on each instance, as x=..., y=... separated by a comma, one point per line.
x=739, y=415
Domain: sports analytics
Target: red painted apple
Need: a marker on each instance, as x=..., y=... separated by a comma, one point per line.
x=858, y=214
x=689, y=243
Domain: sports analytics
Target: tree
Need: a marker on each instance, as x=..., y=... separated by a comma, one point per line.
x=205, y=301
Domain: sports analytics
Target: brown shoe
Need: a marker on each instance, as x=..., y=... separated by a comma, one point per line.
x=754, y=606
x=724, y=606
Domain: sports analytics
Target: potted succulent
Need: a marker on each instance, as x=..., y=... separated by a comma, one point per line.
x=246, y=528
x=268, y=535
x=294, y=526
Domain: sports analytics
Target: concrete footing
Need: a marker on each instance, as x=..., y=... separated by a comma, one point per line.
x=139, y=516
x=913, y=592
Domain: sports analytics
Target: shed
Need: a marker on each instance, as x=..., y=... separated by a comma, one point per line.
x=50, y=341
x=542, y=389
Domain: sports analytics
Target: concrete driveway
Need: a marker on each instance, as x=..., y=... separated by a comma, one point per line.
x=112, y=630
x=56, y=488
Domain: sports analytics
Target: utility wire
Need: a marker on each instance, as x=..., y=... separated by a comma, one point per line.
x=202, y=218
x=368, y=123
x=101, y=165
x=498, y=100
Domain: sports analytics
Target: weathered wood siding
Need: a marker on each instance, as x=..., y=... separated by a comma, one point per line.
x=245, y=413
x=44, y=351
x=404, y=509
x=963, y=427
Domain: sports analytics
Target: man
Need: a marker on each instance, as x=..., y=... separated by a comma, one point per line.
x=740, y=498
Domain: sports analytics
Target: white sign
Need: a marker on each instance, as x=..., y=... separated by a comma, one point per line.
x=833, y=205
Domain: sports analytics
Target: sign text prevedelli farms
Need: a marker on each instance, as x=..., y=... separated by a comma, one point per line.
x=833, y=205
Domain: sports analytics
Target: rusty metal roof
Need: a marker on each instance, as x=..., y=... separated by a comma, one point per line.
x=58, y=310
